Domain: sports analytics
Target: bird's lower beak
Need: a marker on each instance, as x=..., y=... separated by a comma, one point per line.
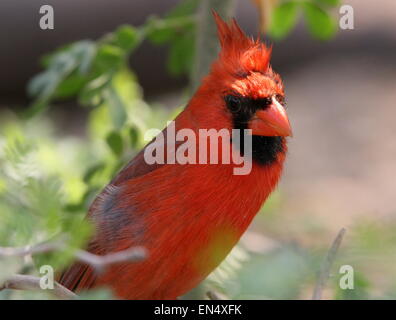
x=272, y=121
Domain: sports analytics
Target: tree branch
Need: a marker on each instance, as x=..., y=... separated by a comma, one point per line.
x=324, y=272
x=25, y=282
x=99, y=263
x=213, y=295
x=29, y=250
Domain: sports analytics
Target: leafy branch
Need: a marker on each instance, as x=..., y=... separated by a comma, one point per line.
x=86, y=69
x=279, y=17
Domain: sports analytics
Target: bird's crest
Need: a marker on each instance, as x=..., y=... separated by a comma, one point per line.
x=239, y=53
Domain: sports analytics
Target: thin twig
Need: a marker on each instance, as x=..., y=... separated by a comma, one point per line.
x=324, y=272
x=213, y=295
x=26, y=282
x=29, y=250
x=98, y=262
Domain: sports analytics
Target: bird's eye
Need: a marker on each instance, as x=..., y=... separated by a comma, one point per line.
x=280, y=99
x=265, y=102
x=233, y=103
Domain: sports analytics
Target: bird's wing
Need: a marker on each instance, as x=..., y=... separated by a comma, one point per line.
x=79, y=275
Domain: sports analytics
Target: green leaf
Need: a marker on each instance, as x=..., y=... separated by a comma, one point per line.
x=85, y=52
x=109, y=57
x=158, y=31
x=283, y=20
x=43, y=84
x=181, y=55
x=126, y=37
x=61, y=79
x=70, y=86
x=115, y=142
x=320, y=24
x=43, y=87
x=178, y=22
x=116, y=107
x=63, y=63
x=45, y=60
x=92, y=93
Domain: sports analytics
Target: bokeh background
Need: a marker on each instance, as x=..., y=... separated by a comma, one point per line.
x=340, y=172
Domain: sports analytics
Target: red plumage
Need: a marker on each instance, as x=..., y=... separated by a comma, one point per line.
x=188, y=217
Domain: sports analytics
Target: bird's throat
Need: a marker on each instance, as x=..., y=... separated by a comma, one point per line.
x=265, y=150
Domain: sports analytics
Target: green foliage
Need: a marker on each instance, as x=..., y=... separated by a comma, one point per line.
x=319, y=22
x=66, y=73
x=34, y=197
x=114, y=140
x=86, y=69
x=177, y=30
x=254, y=276
x=283, y=20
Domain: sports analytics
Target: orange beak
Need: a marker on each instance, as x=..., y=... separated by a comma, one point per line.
x=272, y=121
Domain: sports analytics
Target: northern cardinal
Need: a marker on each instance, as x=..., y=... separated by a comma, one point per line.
x=189, y=216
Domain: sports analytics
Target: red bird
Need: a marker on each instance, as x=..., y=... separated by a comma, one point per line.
x=189, y=216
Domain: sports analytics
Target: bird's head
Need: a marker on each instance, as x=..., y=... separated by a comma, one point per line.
x=244, y=83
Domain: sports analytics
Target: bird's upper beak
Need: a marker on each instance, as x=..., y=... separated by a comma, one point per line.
x=272, y=121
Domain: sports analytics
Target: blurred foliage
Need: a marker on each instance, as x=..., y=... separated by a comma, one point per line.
x=47, y=181
x=40, y=176
x=89, y=69
x=317, y=15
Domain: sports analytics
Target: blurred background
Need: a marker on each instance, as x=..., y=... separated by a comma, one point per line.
x=340, y=172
